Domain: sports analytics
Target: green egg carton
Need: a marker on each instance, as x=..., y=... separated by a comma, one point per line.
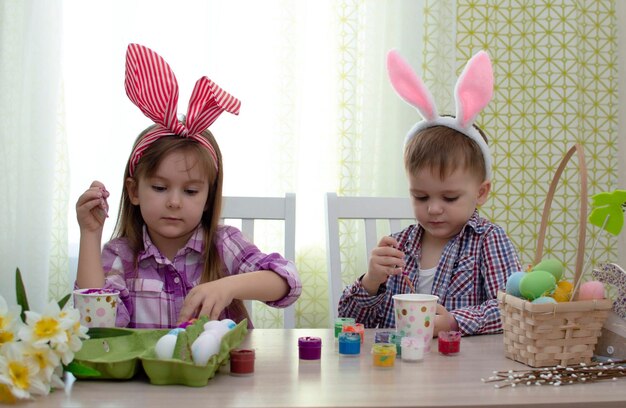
x=118, y=354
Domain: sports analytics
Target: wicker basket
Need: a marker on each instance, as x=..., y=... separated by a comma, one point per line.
x=544, y=335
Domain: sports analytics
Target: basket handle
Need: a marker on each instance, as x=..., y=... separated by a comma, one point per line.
x=582, y=228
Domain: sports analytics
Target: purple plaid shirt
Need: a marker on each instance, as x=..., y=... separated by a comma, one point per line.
x=473, y=267
x=152, y=293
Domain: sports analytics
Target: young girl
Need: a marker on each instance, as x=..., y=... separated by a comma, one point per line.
x=169, y=258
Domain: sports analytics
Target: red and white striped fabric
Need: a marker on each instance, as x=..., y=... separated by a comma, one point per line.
x=151, y=85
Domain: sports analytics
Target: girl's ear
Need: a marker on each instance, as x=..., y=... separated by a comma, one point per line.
x=131, y=189
x=483, y=192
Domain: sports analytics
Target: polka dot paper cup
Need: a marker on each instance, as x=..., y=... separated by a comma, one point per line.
x=415, y=316
x=97, y=307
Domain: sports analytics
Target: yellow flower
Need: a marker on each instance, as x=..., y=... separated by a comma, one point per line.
x=74, y=333
x=45, y=358
x=18, y=372
x=46, y=327
x=9, y=322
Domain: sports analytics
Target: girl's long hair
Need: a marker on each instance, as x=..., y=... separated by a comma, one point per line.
x=130, y=223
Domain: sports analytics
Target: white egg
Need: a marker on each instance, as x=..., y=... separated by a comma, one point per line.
x=229, y=323
x=205, y=346
x=212, y=324
x=164, y=348
x=219, y=331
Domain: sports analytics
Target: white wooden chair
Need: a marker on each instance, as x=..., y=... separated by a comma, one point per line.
x=249, y=209
x=397, y=211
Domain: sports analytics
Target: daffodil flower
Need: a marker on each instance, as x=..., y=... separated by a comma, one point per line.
x=19, y=372
x=46, y=358
x=37, y=349
x=46, y=327
x=10, y=322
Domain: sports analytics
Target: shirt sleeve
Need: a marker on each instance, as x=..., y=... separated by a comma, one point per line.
x=498, y=261
x=240, y=256
x=356, y=302
x=116, y=258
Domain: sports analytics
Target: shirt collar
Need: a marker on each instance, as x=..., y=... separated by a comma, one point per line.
x=195, y=243
x=415, y=236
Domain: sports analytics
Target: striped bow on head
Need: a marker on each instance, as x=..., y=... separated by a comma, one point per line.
x=151, y=85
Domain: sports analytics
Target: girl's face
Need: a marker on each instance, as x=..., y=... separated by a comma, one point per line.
x=443, y=207
x=172, y=200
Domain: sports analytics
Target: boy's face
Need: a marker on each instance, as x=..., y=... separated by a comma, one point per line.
x=443, y=207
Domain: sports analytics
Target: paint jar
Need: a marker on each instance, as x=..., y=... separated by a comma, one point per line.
x=384, y=355
x=310, y=348
x=355, y=328
x=349, y=344
x=396, y=338
x=241, y=362
x=449, y=342
x=382, y=337
x=412, y=349
x=339, y=324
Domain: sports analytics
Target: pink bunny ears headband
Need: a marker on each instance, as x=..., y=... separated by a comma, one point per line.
x=473, y=91
x=151, y=85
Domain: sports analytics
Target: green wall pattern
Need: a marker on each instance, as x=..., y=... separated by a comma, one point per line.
x=556, y=84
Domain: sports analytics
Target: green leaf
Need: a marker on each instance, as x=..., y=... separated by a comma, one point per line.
x=20, y=293
x=79, y=369
x=64, y=300
x=607, y=212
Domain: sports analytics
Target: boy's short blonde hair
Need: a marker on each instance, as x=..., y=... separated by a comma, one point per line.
x=444, y=150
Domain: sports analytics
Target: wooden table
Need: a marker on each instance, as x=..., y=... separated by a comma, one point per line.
x=280, y=379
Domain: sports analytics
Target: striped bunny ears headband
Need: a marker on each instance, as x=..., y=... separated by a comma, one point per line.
x=151, y=85
x=473, y=91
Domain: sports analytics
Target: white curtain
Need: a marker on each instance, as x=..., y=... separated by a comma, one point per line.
x=31, y=135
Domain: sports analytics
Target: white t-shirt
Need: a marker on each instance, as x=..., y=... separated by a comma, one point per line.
x=427, y=277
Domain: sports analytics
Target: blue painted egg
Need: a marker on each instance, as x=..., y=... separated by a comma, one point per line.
x=543, y=300
x=512, y=283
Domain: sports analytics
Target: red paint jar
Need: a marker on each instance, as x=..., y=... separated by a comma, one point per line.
x=310, y=348
x=449, y=342
x=241, y=362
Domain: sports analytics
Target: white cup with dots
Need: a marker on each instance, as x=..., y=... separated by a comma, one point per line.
x=97, y=307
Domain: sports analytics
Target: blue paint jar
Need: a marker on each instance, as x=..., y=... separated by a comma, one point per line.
x=349, y=344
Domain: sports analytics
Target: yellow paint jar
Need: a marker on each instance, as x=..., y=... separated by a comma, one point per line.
x=384, y=355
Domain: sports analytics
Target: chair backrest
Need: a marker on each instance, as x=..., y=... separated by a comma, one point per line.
x=249, y=209
x=395, y=210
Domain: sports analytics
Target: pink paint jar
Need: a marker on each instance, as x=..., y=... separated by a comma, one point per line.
x=449, y=342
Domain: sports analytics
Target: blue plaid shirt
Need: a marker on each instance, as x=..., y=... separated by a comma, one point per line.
x=474, y=265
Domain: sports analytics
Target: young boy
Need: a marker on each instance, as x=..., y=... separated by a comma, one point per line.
x=451, y=252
